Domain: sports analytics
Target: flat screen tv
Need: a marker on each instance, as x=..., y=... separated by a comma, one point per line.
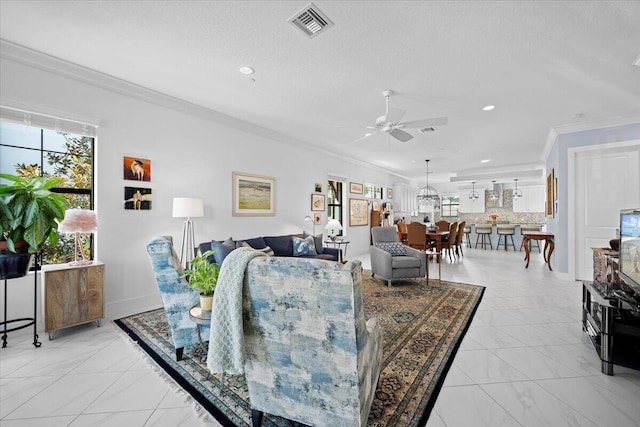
x=629, y=264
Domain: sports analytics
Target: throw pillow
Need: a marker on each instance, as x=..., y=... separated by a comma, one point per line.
x=266, y=250
x=281, y=245
x=318, y=240
x=221, y=250
x=304, y=247
x=394, y=248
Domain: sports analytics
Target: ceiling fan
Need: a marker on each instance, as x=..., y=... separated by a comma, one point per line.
x=390, y=122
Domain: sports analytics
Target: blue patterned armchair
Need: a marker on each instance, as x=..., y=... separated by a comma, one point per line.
x=311, y=355
x=177, y=296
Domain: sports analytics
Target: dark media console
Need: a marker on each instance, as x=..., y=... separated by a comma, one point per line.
x=611, y=319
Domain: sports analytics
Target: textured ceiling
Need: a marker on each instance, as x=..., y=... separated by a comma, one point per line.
x=543, y=64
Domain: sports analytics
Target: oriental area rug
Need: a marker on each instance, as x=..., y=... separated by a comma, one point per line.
x=422, y=325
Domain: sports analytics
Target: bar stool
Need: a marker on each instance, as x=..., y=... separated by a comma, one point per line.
x=504, y=232
x=484, y=233
x=467, y=231
x=526, y=228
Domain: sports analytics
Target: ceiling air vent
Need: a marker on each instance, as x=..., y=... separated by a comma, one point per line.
x=428, y=129
x=311, y=21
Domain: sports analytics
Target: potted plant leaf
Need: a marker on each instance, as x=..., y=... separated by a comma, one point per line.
x=29, y=215
x=202, y=276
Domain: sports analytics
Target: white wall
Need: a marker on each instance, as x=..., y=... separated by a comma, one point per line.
x=192, y=155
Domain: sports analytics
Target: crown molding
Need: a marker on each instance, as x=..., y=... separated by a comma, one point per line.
x=556, y=131
x=23, y=55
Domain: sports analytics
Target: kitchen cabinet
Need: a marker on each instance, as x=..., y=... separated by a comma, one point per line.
x=532, y=200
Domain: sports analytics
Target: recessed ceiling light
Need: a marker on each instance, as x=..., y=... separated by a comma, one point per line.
x=488, y=107
x=246, y=70
x=485, y=160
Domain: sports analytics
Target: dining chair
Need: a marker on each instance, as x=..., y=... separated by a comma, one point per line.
x=402, y=232
x=460, y=238
x=449, y=244
x=443, y=225
x=417, y=236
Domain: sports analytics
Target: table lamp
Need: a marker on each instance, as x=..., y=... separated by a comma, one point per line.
x=187, y=207
x=332, y=226
x=79, y=221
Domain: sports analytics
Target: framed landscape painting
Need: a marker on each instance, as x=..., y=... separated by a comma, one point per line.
x=356, y=188
x=358, y=212
x=253, y=195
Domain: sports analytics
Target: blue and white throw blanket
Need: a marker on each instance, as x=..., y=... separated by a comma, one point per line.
x=226, y=339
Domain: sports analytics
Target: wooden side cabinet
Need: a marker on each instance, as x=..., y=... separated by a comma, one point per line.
x=72, y=295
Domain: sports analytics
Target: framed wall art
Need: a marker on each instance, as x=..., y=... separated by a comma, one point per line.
x=549, y=208
x=138, y=199
x=317, y=218
x=253, y=195
x=389, y=193
x=317, y=202
x=358, y=212
x=318, y=188
x=356, y=188
x=136, y=169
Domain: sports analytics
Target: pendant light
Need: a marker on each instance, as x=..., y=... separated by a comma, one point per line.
x=474, y=194
x=517, y=193
x=427, y=195
x=493, y=194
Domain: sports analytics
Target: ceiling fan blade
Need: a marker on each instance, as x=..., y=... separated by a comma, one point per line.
x=394, y=115
x=366, y=135
x=425, y=123
x=401, y=135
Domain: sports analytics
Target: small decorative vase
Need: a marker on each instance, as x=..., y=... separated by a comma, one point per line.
x=494, y=221
x=206, y=302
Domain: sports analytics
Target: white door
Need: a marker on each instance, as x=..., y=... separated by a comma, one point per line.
x=606, y=181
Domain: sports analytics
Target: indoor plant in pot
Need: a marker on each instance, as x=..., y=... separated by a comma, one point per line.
x=202, y=276
x=29, y=215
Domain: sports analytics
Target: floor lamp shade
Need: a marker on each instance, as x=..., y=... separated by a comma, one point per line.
x=187, y=207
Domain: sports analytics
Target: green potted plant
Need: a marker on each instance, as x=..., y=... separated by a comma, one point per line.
x=29, y=216
x=202, y=276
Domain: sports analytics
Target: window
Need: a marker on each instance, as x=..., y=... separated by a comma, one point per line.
x=30, y=151
x=335, y=202
x=373, y=191
x=450, y=206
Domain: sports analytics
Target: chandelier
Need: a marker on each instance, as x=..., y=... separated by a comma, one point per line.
x=517, y=193
x=427, y=195
x=493, y=194
x=474, y=194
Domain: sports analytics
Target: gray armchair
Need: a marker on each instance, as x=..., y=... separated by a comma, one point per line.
x=390, y=267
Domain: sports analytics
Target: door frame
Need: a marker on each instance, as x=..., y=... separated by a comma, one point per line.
x=572, y=154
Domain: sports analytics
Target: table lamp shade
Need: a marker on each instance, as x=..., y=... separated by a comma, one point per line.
x=333, y=224
x=187, y=207
x=78, y=221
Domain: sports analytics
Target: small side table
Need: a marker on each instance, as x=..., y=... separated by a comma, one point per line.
x=548, y=244
x=200, y=317
x=338, y=244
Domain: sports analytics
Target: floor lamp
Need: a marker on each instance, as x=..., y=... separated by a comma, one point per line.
x=187, y=207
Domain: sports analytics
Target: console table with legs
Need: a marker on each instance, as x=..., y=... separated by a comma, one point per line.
x=549, y=245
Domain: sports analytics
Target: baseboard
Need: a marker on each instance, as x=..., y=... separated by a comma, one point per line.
x=123, y=308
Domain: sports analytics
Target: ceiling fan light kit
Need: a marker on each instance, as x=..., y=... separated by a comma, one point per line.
x=390, y=123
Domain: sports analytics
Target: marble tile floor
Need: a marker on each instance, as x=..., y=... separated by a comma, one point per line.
x=524, y=362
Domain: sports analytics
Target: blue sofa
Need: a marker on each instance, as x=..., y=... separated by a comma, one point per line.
x=281, y=246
